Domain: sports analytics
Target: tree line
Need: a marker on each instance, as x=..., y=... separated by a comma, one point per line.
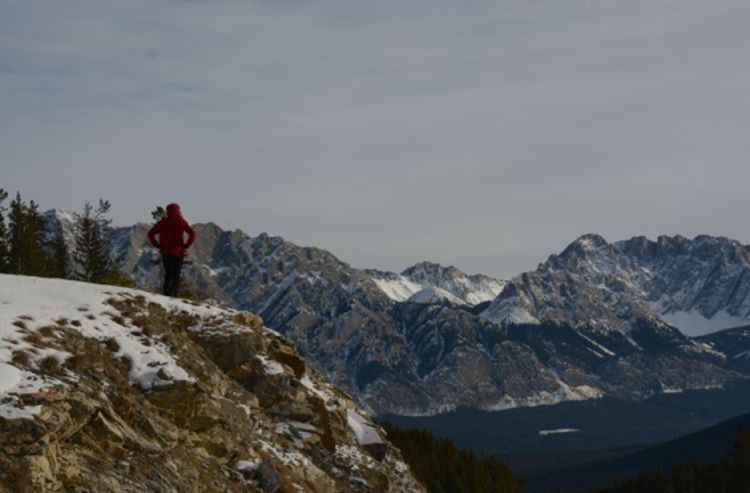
x=31, y=246
x=443, y=468
x=730, y=476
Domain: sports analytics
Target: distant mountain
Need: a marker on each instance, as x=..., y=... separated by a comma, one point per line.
x=699, y=286
x=734, y=343
x=427, y=282
x=432, y=338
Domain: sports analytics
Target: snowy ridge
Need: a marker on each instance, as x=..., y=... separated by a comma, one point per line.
x=698, y=286
x=434, y=295
x=427, y=282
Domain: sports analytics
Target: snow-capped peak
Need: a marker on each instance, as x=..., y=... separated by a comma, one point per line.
x=428, y=282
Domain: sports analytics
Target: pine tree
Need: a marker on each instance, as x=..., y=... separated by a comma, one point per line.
x=16, y=227
x=159, y=213
x=26, y=253
x=92, y=245
x=58, y=264
x=4, y=260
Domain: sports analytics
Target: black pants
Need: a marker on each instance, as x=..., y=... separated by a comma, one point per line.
x=172, y=268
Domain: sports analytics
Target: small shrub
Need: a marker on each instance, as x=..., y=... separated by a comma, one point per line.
x=127, y=361
x=48, y=331
x=33, y=338
x=21, y=358
x=79, y=363
x=112, y=344
x=19, y=323
x=50, y=365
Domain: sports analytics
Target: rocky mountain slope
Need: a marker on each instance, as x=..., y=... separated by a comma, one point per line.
x=698, y=286
x=589, y=322
x=107, y=389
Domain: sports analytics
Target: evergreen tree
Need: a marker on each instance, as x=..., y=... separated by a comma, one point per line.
x=93, y=244
x=26, y=253
x=4, y=260
x=442, y=468
x=159, y=213
x=58, y=264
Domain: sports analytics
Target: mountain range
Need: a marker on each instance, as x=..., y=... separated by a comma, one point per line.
x=598, y=319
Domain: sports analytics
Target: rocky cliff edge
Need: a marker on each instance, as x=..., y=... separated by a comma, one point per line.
x=106, y=389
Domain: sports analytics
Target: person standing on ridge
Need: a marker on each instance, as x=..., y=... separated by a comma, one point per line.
x=172, y=245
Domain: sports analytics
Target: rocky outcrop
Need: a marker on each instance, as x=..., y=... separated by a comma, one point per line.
x=150, y=394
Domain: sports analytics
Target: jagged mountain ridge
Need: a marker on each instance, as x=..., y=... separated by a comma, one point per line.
x=428, y=282
x=698, y=286
x=411, y=358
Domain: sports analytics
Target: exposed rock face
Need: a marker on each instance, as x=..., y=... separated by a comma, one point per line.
x=698, y=286
x=151, y=394
x=597, y=319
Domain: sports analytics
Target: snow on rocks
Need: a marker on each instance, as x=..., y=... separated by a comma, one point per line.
x=34, y=312
x=203, y=387
x=363, y=429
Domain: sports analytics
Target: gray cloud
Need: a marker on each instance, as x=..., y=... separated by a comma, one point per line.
x=481, y=134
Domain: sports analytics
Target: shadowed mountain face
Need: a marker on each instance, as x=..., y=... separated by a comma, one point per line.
x=432, y=338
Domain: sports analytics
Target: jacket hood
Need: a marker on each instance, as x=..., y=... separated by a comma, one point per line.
x=173, y=210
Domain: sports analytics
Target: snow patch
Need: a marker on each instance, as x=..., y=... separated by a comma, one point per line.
x=400, y=289
x=694, y=324
x=363, y=429
x=30, y=303
x=559, y=431
x=435, y=295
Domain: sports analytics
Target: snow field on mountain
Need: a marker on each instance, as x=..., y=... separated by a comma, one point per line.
x=459, y=291
x=693, y=323
x=400, y=289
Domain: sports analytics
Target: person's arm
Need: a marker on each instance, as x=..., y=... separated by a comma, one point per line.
x=152, y=235
x=191, y=235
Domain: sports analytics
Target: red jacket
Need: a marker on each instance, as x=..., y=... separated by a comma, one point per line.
x=170, y=231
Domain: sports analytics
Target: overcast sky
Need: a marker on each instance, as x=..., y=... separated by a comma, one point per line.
x=481, y=134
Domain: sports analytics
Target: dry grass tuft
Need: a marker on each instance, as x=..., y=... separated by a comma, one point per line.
x=51, y=366
x=75, y=323
x=33, y=338
x=127, y=361
x=62, y=322
x=21, y=358
x=20, y=324
x=48, y=331
x=112, y=344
